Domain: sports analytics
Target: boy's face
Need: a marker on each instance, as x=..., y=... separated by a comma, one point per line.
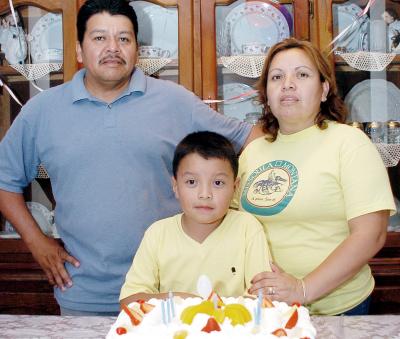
x=204, y=189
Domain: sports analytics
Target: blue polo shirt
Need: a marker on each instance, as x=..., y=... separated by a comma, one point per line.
x=110, y=167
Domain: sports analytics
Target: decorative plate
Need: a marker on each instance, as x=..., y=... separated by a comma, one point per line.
x=357, y=38
x=42, y=216
x=158, y=26
x=237, y=108
x=394, y=33
x=47, y=39
x=254, y=22
x=385, y=104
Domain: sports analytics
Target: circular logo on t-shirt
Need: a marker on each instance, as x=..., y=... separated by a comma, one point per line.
x=270, y=188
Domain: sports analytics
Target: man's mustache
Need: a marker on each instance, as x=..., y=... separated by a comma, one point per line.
x=112, y=58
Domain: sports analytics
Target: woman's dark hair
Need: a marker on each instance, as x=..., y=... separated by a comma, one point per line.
x=113, y=7
x=392, y=13
x=207, y=145
x=332, y=109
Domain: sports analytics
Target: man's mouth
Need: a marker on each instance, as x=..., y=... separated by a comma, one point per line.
x=115, y=60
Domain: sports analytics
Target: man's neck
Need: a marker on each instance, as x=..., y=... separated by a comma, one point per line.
x=108, y=91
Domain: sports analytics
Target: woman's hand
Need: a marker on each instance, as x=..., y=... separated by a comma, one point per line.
x=278, y=285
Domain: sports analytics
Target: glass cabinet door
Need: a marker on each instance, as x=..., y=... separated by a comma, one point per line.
x=36, y=52
x=365, y=49
x=164, y=39
x=236, y=36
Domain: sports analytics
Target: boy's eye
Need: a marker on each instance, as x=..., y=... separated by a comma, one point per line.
x=218, y=183
x=190, y=182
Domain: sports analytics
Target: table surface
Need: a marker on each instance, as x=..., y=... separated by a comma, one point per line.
x=28, y=326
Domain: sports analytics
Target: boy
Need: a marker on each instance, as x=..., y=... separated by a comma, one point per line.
x=207, y=238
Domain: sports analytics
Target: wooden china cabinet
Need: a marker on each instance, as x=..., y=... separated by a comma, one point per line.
x=200, y=37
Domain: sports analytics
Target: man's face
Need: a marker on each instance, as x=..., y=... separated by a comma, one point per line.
x=108, y=50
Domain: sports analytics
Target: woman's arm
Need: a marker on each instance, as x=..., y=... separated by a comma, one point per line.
x=367, y=237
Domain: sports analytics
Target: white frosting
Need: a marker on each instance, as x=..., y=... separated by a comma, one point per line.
x=152, y=325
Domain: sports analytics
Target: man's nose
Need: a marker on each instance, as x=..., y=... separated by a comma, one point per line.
x=113, y=45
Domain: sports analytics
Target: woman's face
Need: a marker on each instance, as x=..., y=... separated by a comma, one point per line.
x=294, y=90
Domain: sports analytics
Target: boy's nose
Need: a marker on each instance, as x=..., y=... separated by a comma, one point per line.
x=205, y=193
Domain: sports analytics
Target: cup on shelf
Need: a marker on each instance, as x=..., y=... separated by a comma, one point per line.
x=254, y=48
x=153, y=52
x=253, y=117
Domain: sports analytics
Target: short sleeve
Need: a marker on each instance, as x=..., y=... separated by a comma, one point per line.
x=257, y=252
x=364, y=179
x=143, y=276
x=19, y=158
x=205, y=118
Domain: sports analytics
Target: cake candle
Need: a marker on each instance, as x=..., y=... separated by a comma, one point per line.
x=171, y=303
x=164, y=319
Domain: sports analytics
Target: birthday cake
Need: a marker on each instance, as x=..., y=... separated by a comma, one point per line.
x=231, y=318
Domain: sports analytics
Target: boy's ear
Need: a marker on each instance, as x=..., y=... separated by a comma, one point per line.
x=174, y=187
x=237, y=183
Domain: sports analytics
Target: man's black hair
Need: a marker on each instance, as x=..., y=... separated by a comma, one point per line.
x=112, y=7
x=207, y=145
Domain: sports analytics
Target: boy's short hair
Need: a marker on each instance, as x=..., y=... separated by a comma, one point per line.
x=207, y=145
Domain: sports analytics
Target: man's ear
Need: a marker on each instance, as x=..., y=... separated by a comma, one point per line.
x=78, y=50
x=175, y=187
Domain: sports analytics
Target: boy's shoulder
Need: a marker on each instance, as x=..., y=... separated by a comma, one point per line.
x=243, y=218
x=162, y=225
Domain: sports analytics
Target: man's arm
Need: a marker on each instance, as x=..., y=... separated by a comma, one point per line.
x=256, y=132
x=46, y=251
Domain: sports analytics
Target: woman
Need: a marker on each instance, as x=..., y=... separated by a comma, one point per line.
x=318, y=186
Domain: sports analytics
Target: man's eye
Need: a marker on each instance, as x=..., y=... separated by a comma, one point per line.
x=98, y=38
x=123, y=39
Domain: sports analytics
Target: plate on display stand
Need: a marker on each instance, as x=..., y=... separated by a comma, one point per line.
x=46, y=37
x=237, y=108
x=158, y=26
x=253, y=22
x=357, y=39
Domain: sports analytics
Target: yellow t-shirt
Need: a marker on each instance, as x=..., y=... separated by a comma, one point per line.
x=169, y=260
x=304, y=188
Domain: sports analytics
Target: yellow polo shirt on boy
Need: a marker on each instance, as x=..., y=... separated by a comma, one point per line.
x=304, y=188
x=169, y=260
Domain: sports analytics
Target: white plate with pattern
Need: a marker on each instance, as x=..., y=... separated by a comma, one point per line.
x=383, y=106
x=254, y=22
x=237, y=108
x=158, y=26
x=356, y=39
x=47, y=39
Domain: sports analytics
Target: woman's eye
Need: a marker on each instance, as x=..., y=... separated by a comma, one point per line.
x=303, y=75
x=276, y=77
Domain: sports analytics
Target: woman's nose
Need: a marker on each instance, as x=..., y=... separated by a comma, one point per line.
x=288, y=83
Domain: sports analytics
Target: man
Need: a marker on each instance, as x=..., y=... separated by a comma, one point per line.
x=106, y=139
